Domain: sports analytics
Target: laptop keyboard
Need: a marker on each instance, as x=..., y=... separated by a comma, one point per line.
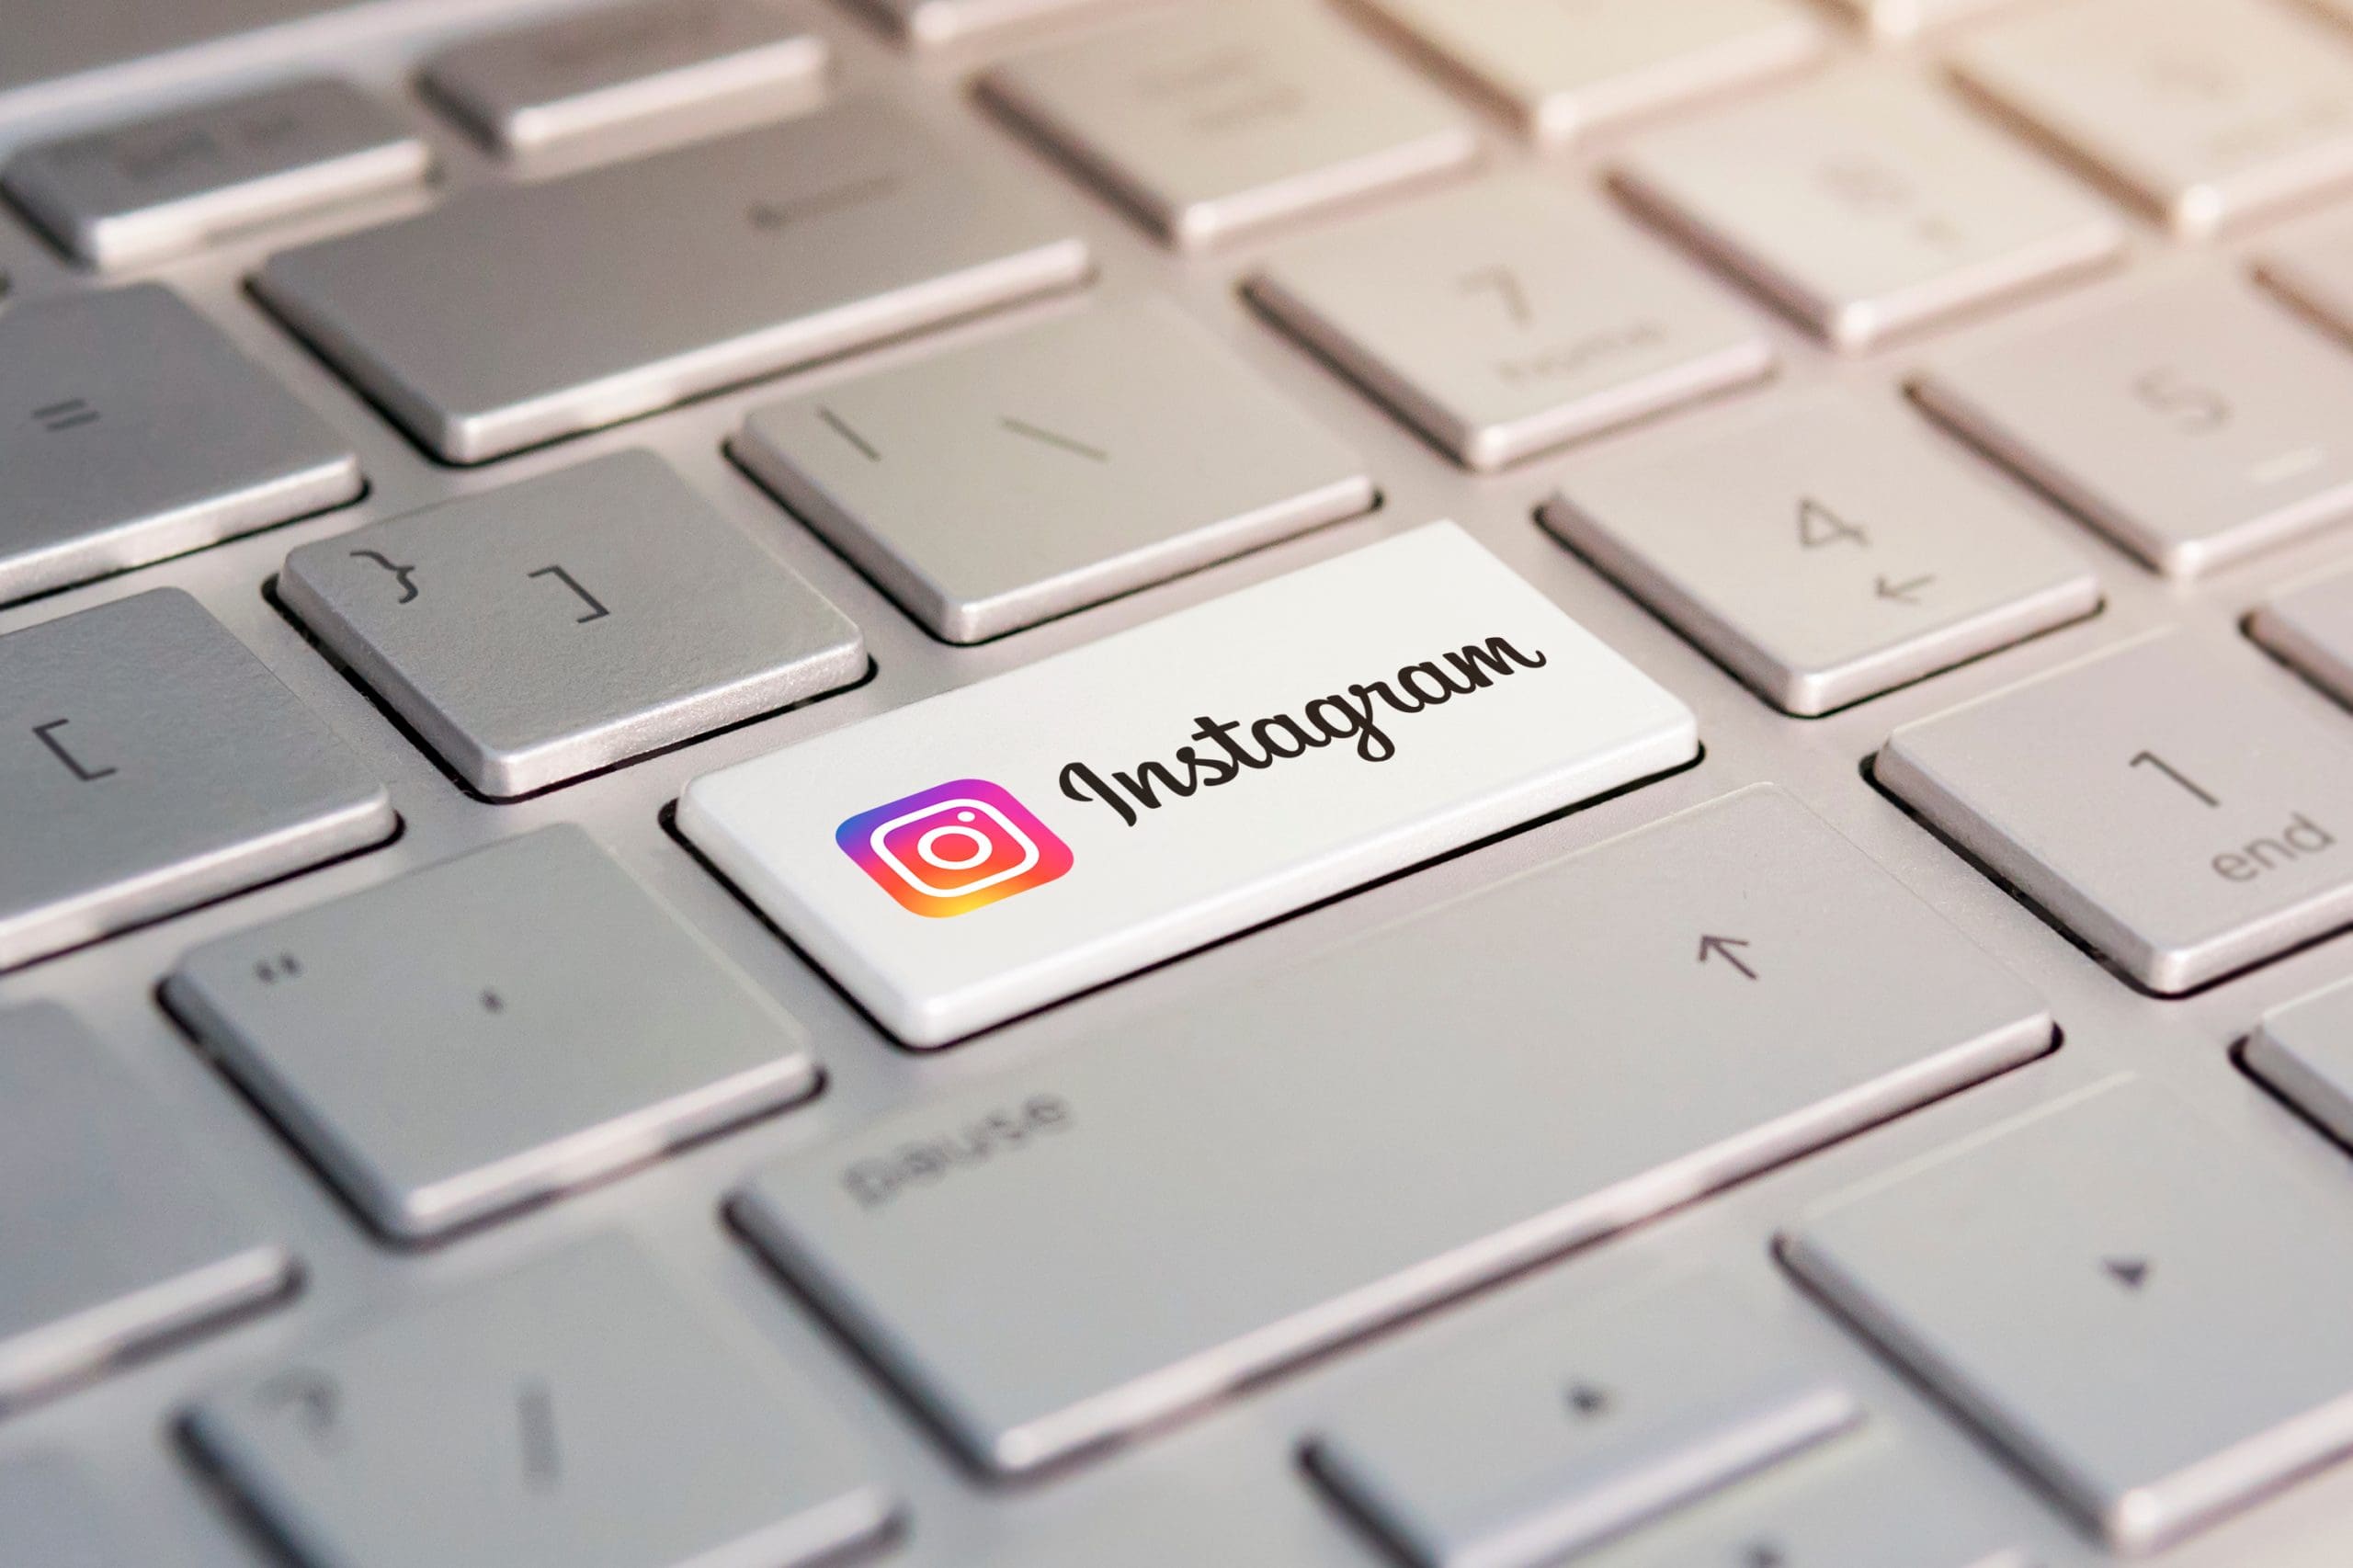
x=1176, y=782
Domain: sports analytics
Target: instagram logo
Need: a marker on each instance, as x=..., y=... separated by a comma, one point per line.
x=953, y=849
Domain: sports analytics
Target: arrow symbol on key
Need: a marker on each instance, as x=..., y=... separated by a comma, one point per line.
x=1903, y=593
x=2129, y=1272
x=1721, y=947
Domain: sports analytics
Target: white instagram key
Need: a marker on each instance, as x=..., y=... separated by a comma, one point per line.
x=966, y=859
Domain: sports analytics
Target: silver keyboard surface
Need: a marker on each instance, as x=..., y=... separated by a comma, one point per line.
x=1854, y=1074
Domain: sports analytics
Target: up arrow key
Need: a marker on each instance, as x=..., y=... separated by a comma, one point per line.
x=1721, y=947
x=2129, y=1272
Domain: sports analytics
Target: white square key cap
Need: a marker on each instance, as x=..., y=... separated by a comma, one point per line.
x=963, y=860
x=2171, y=806
x=994, y=485
x=2128, y=1300
x=2194, y=423
x=579, y=1412
x=1511, y=315
x=2205, y=111
x=1222, y=117
x=1822, y=547
x=1867, y=205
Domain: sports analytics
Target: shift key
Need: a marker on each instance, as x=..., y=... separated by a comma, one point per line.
x=1184, y=1201
x=965, y=859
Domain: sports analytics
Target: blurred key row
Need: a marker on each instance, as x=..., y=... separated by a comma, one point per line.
x=441, y=1068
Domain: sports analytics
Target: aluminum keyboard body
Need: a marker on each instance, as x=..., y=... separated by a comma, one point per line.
x=1225, y=1484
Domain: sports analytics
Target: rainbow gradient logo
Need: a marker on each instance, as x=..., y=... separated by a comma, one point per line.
x=954, y=848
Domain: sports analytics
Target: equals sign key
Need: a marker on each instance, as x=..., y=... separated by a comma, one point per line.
x=66, y=416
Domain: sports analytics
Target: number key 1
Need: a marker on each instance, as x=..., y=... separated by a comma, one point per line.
x=2180, y=810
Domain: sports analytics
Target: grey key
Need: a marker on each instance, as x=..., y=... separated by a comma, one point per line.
x=2165, y=802
x=519, y=314
x=2191, y=422
x=2304, y=1049
x=2206, y=112
x=2310, y=624
x=1822, y=547
x=1563, y=69
x=1540, y=1442
x=489, y=1031
x=1510, y=316
x=1136, y=1232
x=95, y=36
x=2147, y=1316
x=159, y=187
x=52, y=1516
x=1867, y=1502
x=580, y=1412
x=1227, y=118
x=150, y=763
x=996, y=485
x=600, y=69
x=1867, y=206
x=114, y=1236
x=931, y=22
x=570, y=622
x=131, y=429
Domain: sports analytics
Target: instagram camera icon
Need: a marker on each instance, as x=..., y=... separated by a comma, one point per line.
x=953, y=849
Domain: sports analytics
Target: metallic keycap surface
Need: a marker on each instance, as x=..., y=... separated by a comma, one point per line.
x=1867, y=1501
x=51, y=1515
x=1136, y=1227
x=489, y=1031
x=2304, y=1051
x=992, y=486
x=619, y=64
x=929, y=22
x=1563, y=69
x=507, y=317
x=114, y=1233
x=2194, y=423
x=150, y=763
x=131, y=430
x=1825, y=549
x=1509, y=316
x=1222, y=121
x=1867, y=206
x=2168, y=804
x=2310, y=624
x=156, y=188
x=2207, y=112
x=557, y=1415
x=1558, y=1433
x=566, y=623
x=2136, y=1306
